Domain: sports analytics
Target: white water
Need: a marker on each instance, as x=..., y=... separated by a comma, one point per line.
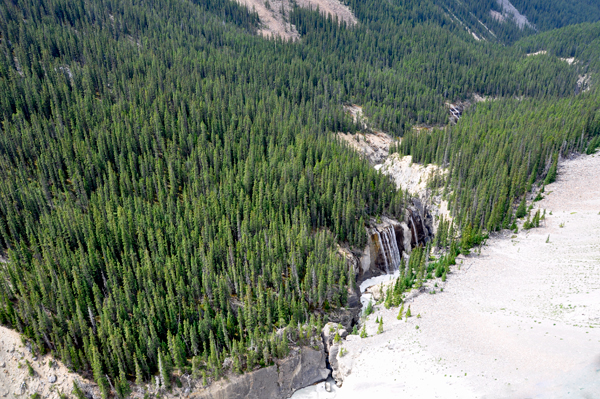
x=389, y=248
x=366, y=297
x=395, y=251
x=414, y=229
x=383, y=251
x=392, y=260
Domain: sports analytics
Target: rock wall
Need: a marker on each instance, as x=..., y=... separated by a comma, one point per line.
x=391, y=240
x=412, y=177
x=301, y=369
x=332, y=349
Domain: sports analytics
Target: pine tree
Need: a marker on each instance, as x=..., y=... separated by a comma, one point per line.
x=388, y=298
x=163, y=369
x=99, y=375
x=400, y=312
x=139, y=376
x=369, y=308
x=363, y=331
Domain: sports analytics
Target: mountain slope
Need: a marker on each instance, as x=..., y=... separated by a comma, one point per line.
x=172, y=195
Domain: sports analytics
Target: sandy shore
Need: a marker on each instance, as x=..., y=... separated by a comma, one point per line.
x=521, y=320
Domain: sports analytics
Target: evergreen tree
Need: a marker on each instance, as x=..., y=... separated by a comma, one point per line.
x=363, y=331
x=380, y=327
x=163, y=369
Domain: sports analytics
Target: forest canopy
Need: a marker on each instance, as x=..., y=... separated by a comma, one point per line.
x=171, y=192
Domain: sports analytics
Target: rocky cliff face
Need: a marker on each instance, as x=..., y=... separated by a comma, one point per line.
x=374, y=147
x=391, y=240
x=332, y=349
x=412, y=177
x=303, y=368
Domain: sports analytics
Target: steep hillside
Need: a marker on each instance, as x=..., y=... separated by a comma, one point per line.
x=507, y=21
x=274, y=14
x=174, y=198
x=552, y=14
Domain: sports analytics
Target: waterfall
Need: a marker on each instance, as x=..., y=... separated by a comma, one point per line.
x=383, y=251
x=396, y=250
x=414, y=229
x=389, y=248
x=406, y=243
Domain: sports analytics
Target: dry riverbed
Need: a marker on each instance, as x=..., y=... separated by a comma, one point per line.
x=520, y=320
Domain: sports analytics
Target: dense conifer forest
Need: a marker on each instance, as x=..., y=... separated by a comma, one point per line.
x=503, y=147
x=171, y=193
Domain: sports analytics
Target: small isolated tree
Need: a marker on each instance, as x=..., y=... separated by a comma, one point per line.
x=195, y=367
x=336, y=338
x=354, y=330
x=363, y=331
x=30, y=369
x=408, y=314
x=389, y=296
x=204, y=379
x=380, y=328
x=99, y=375
x=369, y=308
x=400, y=312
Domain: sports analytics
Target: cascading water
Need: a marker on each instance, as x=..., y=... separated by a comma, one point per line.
x=385, y=248
x=414, y=229
x=383, y=252
x=389, y=248
x=395, y=249
x=407, y=238
x=392, y=259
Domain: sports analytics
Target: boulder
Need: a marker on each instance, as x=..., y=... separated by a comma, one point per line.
x=52, y=379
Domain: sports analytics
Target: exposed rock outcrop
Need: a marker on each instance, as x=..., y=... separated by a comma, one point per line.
x=375, y=146
x=390, y=240
x=333, y=349
x=509, y=11
x=409, y=176
x=414, y=178
x=302, y=368
x=274, y=15
x=371, y=144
